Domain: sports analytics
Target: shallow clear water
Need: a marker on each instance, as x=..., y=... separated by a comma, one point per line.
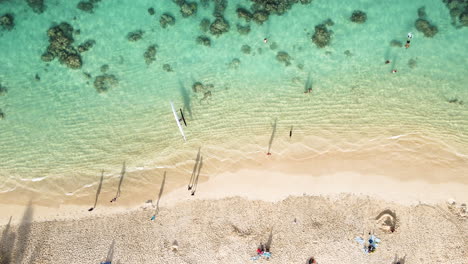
x=58, y=133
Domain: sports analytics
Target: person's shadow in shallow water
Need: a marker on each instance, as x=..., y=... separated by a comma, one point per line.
x=186, y=98
x=195, y=183
x=272, y=136
x=194, y=172
x=98, y=192
x=122, y=174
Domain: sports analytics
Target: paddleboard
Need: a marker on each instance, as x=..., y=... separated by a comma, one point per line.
x=178, y=121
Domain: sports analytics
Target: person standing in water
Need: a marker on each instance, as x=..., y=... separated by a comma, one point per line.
x=408, y=40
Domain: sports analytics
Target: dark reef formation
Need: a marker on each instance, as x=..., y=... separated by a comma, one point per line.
x=244, y=13
x=105, y=82
x=85, y=6
x=358, y=16
x=322, y=36
x=7, y=21
x=205, y=25
x=283, y=57
x=167, y=67
x=135, y=35
x=36, y=5
x=198, y=87
x=167, y=20
x=458, y=12
x=150, y=54
x=412, y=63
x=2, y=115
x=234, y=64
x=61, y=40
x=423, y=25
x=85, y=46
x=186, y=8
x=277, y=7
x=104, y=68
x=219, y=8
x=204, y=40
x=151, y=11
x=219, y=26
x=246, y=49
x=243, y=30
x=3, y=90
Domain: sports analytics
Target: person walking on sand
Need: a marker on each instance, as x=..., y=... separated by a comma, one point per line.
x=408, y=40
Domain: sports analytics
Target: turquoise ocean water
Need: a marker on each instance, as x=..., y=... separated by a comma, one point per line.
x=58, y=133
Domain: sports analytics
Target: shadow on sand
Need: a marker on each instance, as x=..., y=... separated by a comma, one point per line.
x=161, y=190
x=272, y=136
x=13, y=245
x=98, y=191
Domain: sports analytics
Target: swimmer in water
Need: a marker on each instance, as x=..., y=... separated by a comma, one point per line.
x=408, y=40
x=387, y=61
x=265, y=40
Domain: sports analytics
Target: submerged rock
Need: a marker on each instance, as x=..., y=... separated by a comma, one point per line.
x=458, y=10
x=243, y=30
x=219, y=26
x=3, y=90
x=135, y=35
x=61, y=39
x=151, y=11
x=188, y=8
x=422, y=12
x=235, y=63
x=277, y=7
x=104, y=68
x=166, y=20
x=197, y=87
x=7, y=21
x=246, y=49
x=167, y=67
x=260, y=16
x=219, y=8
x=105, y=82
x=322, y=36
x=87, y=45
x=358, y=16
x=425, y=27
x=36, y=5
x=150, y=54
x=205, y=25
x=85, y=6
x=283, y=57
x=204, y=40
x=244, y=14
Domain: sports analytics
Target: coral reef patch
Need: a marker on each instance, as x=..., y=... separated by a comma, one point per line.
x=105, y=82
x=135, y=35
x=322, y=36
x=167, y=20
x=37, y=6
x=358, y=16
x=61, y=40
x=423, y=25
x=150, y=54
x=7, y=21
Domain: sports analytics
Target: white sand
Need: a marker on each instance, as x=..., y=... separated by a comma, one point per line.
x=211, y=228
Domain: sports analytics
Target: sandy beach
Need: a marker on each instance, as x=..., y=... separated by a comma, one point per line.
x=232, y=213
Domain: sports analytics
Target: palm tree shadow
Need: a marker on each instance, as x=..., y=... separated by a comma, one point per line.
x=270, y=240
x=98, y=192
x=192, y=178
x=272, y=136
x=186, y=99
x=7, y=243
x=194, y=189
x=122, y=174
x=161, y=190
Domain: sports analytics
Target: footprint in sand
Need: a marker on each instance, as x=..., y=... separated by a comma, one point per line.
x=387, y=221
